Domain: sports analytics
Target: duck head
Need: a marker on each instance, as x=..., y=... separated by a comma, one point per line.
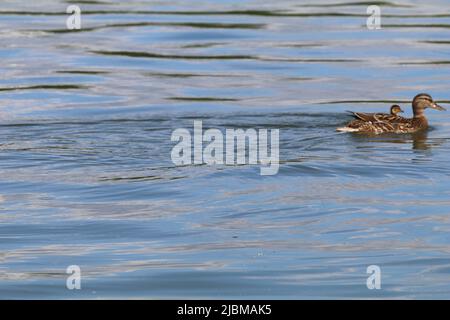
x=396, y=109
x=423, y=101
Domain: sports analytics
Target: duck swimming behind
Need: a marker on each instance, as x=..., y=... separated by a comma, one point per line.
x=395, y=110
x=377, y=123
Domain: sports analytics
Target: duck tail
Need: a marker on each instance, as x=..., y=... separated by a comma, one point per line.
x=347, y=129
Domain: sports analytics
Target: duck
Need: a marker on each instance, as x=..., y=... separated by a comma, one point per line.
x=377, y=123
x=392, y=116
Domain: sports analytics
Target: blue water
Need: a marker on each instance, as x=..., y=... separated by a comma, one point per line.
x=86, y=176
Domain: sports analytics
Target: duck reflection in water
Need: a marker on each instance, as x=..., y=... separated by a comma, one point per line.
x=418, y=140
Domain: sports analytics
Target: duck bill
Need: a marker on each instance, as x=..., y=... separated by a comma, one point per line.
x=437, y=107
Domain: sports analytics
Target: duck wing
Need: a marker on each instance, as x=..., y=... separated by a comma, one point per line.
x=373, y=127
x=362, y=116
x=372, y=116
x=384, y=117
x=397, y=125
x=380, y=127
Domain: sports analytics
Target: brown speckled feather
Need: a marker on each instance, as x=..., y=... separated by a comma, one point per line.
x=410, y=125
x=376, y=117
x=375, y=127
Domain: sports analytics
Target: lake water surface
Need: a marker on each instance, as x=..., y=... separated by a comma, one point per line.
x=86, y=176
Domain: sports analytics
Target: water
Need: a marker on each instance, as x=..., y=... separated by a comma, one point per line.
x=85, y=171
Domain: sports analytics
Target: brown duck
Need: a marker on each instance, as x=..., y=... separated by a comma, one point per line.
x=377, y=123
x=392, y=116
